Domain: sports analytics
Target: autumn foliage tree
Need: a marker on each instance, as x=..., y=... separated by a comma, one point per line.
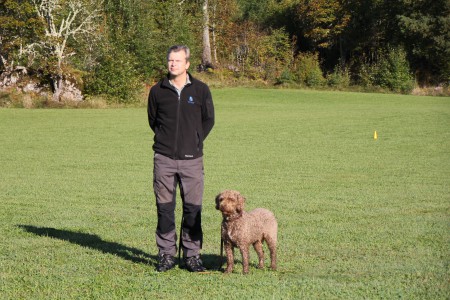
x=321, y=21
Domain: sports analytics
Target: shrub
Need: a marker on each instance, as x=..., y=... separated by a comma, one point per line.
x=114, y=77
x=17, y=98
x=307, y=70
x=274, y=53
x=393, y=72
x=285, y=77
x=365, y=75
x=340, y=78
x=390, y=71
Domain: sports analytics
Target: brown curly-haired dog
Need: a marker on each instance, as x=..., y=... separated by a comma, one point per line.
x=242, y=229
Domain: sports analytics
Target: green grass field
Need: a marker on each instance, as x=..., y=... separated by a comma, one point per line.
x=358, y=218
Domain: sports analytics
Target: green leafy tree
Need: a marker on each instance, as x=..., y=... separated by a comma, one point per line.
x=130, y=26
x=177, y=22
x=274, y=53
x=19, y=27
x=137, y=34
x=425, y=28
x=307, y=70
x=257, y=11
x=115, y=76
x=115, y=73
x=393, y=72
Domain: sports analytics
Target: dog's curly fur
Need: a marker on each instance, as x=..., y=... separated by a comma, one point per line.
x=241, y=229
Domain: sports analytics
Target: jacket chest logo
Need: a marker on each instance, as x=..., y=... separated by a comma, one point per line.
x=190, y=100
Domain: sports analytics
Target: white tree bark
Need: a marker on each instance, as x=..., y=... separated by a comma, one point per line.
x=206, y=56
x=80, y=20
x=213, y=32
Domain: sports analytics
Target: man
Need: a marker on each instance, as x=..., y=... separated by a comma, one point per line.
x=181, y=114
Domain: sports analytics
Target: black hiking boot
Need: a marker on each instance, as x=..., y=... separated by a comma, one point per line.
x=165, y=262
x=194, y=264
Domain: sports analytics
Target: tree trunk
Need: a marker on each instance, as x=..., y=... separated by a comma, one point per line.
x=342, y=53
x=206, y=56
x=213, y=33
x=58, y=83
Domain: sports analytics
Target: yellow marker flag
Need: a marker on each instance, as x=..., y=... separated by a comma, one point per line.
x=375, y=135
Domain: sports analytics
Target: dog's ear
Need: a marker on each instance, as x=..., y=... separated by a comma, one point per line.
x=240, y=201
x=218, y=200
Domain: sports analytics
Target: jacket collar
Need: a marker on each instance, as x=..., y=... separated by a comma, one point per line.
x=166, y=81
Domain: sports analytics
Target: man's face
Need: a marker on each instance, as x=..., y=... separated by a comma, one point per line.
x=177, y=63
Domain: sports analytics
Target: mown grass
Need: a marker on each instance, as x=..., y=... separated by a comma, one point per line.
x=358, y=217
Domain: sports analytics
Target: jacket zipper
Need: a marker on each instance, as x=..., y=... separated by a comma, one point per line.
x=175, y=150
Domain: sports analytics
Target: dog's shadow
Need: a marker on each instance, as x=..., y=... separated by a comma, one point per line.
x=94, y=242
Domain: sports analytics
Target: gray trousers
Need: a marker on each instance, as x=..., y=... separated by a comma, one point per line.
x=188, y=175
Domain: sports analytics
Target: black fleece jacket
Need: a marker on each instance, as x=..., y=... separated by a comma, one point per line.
x=180, y=123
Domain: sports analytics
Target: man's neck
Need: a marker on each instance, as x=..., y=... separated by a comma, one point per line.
x=179, y=81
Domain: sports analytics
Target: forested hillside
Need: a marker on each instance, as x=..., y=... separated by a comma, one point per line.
x=112, y=47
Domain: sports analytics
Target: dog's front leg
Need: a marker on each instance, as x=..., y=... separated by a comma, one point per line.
x=230, y=257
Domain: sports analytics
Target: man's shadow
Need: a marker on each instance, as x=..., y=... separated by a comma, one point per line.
x=93, y=241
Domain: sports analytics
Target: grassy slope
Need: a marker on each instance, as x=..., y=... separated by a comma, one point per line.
x=358, y=218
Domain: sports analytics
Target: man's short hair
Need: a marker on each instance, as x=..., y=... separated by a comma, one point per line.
x=177, y=48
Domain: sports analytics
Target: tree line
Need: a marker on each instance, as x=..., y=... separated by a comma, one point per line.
x=112, y=47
